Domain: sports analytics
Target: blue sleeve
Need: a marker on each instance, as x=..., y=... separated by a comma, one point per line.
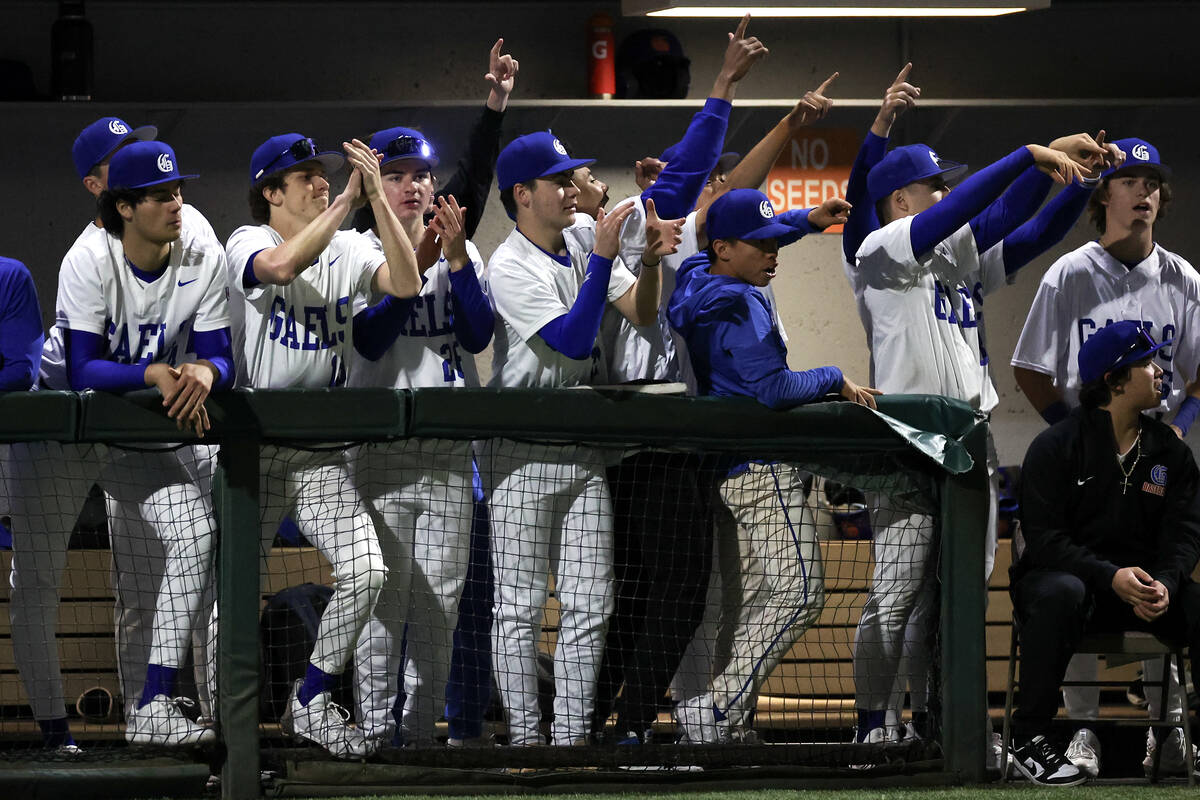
x=88, y=367
x=20, y=330
x=473, y=317
x=761, y=368
x=574, y=333
x=974, y=194
x=862, y=216
x=679, y=185
x=1046, y=229
x=249, y=279
x=376, y=327
x=1012, y=208
x=216, y=347
x=797, y=219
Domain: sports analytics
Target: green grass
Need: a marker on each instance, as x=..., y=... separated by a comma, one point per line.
x=1131, y=791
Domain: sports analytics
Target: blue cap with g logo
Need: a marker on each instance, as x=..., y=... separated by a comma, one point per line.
x=1114, y=346
x=534, y=155
x=747, y=214
x=908, y=164
x=99, y=140
x=1139, y=153
x=144, y=164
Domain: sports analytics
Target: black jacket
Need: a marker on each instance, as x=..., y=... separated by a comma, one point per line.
x=1075, y=519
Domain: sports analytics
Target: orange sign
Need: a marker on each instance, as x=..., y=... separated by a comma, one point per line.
x=813, y=167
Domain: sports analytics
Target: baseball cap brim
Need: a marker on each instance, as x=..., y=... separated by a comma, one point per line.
x=331, y=160
x=1133, y=358
x=168, y=179
x=772, y=230
x=1164, y=172
x=569, y=165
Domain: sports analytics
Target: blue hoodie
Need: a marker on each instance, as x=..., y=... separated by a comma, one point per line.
x=736, y=350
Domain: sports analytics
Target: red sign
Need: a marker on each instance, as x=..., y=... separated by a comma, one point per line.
x=813, y=167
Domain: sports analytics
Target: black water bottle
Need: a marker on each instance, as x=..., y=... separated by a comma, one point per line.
x=71, y=42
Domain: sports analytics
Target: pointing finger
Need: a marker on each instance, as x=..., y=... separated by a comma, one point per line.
x=902, y=76
x=741, y=28
x=496, y=48
x=821, y=89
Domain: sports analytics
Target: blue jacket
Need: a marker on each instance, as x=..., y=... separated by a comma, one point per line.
x=734, y=345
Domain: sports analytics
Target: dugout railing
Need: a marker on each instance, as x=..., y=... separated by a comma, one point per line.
x=921, y=444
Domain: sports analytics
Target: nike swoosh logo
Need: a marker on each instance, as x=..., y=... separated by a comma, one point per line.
x=1085, y=480
x=333, y=261
x=185, y=283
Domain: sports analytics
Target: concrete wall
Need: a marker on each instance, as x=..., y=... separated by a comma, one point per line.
x=220, y=92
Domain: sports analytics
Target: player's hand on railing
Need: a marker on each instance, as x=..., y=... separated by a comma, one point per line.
x=608, y=230
x=863, y=395
x=813, y=106
x=898, y=98
x=834, y=211
x=662, y=235
x=501, y=76
x=448, y=223
x=646, y=171
x=184, y=390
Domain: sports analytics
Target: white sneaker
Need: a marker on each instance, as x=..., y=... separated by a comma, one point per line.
x=699, y=722
x=161, y=722
x=324, y=722
x=1173, y=760
x=1038, y=761
x=1084, y=752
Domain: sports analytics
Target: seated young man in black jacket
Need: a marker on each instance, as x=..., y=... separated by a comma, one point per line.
x=1111, y=523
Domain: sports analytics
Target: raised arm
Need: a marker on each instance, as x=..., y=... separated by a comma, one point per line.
x=898, y=98
x=472, y=178
x=398, y=276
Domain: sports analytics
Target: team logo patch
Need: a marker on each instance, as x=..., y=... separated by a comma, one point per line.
x=766, y=210
x=1159, y=475
x=558, y=148
x=933, y=157
x=117, y=128
x=1140, y=152
x=164, y=163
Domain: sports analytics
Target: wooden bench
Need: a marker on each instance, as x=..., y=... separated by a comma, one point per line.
x=813, y=686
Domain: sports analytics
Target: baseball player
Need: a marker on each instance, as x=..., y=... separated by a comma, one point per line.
x=298, y=278
x=736, y=351
x=660, y=498
x=1124, y=275
x=549, y=282
x=20, y=327
x=71, y=470
x=128, y=321
x=421, y=488
x=920, y=280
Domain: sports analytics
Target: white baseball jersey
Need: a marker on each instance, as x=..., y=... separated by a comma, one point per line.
x=426, y=353
x=1087, y=289
x=52, y=372
x=926, y=317
x=144, y=321
x=529, y=288
x=299, y=335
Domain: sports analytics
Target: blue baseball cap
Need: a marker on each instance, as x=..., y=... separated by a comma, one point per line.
x=397, y=143
x=144, y=164
x=905, y=165
x=534, y=155
x=99, y=140
x=1115, y=346
x=286, y=151
x=1139, y=153
x=747, y=214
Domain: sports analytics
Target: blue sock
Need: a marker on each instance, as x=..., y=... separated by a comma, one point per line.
x=55, y=732
x=869, y=721
x=159, y=680
x=315, y=682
